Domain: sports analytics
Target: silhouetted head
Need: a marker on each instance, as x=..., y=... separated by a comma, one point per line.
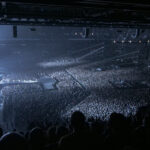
x=10, y=141
x=36, y=138
x=51, y=134
x=77, y=120
x=36, y=134
x=140, y=115
x=146, y=121
x=1, y=132
x=117, y=121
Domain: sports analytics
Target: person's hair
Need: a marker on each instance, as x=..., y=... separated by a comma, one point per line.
x=77, y=120
x=10, y=141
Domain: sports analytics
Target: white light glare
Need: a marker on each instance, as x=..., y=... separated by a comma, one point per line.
x=114, y=41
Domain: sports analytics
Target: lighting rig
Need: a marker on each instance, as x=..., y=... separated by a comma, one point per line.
x=131, y=42
x=87, y=13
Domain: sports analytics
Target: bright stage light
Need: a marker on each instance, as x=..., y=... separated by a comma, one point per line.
x=130, y=41
x=114, y=41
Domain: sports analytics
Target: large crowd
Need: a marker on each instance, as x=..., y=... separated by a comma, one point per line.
x=21, y=103
x=79, y=132
x=120, y=131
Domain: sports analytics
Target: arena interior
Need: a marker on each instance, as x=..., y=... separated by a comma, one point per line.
x=86, y=56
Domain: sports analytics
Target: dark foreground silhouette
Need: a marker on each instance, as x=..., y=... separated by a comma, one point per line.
x=118, y=133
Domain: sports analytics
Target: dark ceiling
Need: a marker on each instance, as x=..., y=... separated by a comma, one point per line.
x=76, y=13
x=81, y=1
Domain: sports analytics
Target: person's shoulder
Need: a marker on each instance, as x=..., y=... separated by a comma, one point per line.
x=66, y=138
